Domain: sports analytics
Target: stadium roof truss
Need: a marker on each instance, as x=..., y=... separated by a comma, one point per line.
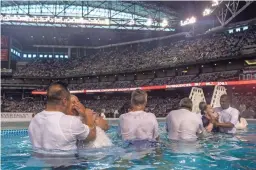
x=228, y=10
x=89, y=14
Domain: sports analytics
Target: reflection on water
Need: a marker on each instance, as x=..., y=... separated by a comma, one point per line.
x=219, y=151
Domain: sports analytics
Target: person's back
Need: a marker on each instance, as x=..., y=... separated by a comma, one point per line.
x=52, y=129
x=59, y=131
x=183, y=125
x=138, y=125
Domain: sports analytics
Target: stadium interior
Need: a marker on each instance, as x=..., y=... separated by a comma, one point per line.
x=105, y=49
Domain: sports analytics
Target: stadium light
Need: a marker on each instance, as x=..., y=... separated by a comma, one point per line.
x=131, y=22
x=164, y=23
x=188, y=21
x=215, y=2
x=149, y=22
x=207, y=11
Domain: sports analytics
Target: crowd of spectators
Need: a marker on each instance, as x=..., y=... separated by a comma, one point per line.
x=156, y=105
x=112, y=106
x=147, y=55
x=216, y=76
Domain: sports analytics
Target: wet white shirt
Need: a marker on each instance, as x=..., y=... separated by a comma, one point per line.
x=242, y=124
x=138, y=125
x=55, y=130
x=102, y=140
x=228, y=115
x=183, y=125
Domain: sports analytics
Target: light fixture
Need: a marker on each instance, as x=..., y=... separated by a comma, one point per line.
x=215, y=2
x=164, y=23
x=149, y=22
x=207, y=11
x=131, y=22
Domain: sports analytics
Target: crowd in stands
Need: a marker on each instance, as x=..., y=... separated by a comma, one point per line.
x=112, y=107
x=147, y=55
x=217, y=76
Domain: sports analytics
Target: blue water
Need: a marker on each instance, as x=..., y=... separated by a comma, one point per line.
x=219, y=151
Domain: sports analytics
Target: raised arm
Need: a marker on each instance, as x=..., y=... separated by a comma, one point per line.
x=88, y=118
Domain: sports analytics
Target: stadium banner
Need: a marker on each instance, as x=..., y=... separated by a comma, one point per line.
x=6, y=71
x=15, y=117
x=153, y=87
x=221, y=83
x=4, y=55
x=112, y=90
x=4, y=42
x=72, y=91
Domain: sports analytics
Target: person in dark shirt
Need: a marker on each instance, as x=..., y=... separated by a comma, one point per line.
x=207, y=115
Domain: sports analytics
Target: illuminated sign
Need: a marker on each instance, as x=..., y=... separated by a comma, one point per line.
x=224, y=83
x=188, y=21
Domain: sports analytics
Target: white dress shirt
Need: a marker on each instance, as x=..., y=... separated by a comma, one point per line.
x=51, y=130
x=228, y=115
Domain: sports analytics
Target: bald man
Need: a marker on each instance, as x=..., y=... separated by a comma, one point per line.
x=228, y=116
x=102, y=140
x=53, y=129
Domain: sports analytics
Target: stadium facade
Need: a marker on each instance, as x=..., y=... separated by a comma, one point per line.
x=40, y=33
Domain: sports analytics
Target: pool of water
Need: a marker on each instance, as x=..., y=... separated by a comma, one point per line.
x=219, y=151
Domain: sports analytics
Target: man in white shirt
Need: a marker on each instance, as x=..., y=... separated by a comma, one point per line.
x=138, y=124
x=228, y=116
x=52, y=129
x=183, y=124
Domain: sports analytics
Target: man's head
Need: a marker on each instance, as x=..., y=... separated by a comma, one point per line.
x=139, y=99
x=224, y=101
x=58, y=96
x=186, y=103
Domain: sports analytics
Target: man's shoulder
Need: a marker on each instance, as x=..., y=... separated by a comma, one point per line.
x=151, y=115
x=234, y=110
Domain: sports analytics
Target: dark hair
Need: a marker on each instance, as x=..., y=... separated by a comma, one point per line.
x=225, y=95
x=56, y=91
x=202, y=106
